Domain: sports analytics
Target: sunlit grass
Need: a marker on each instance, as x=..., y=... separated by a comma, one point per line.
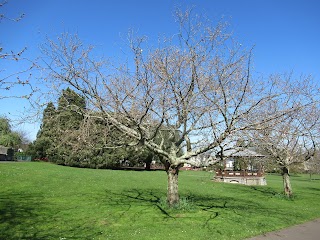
x=46, y=201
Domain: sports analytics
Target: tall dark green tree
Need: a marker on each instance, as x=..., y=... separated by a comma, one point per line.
x=70, y=110
x=58, y=126
x=46, y=135
x=67, y=137
x=48, y=121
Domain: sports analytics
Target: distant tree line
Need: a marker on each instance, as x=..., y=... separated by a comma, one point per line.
x=8, y=137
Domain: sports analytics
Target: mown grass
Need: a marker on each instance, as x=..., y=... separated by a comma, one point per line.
x=46, y=201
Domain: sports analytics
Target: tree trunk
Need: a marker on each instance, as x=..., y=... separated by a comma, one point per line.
x=172, y=194
x=286, y=182
x=148, y=166
x=148, y=162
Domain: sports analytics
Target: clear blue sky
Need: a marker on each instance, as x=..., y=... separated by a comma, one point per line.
x=286, y=33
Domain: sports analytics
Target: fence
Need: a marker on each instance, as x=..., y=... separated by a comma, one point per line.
x=24, y=158
x=239, y=174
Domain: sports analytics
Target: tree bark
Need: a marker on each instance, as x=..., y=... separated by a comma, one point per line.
x=148, y=166
x=148, y=162
x=172, y=194
x=286, y=182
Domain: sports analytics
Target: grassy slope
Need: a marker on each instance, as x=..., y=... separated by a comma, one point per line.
x=45, y=201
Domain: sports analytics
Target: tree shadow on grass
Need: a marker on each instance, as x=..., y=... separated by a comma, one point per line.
x=139, y=197
x=28, y=216
x=314, y=191
x=266, y=191
x=206, y=208
x=17, y=214
x=213, y=206
x=149, y=197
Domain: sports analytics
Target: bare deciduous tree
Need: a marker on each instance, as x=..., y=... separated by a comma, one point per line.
x=291, y=141
x=196, y=82
x=312, y=166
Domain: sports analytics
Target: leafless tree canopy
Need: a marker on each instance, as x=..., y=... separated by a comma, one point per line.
x=291, y=139
x=197, y=82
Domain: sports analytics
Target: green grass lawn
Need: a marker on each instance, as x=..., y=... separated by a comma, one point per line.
x=46, y=201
